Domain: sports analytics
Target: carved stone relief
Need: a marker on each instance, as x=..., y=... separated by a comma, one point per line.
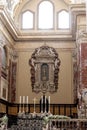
x=44, y=64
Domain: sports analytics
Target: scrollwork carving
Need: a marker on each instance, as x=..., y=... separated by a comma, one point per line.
x=44, y=71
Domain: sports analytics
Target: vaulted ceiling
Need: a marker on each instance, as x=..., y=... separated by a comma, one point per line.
x=18, y=35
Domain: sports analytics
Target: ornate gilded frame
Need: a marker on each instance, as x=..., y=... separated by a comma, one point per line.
x=44, y=70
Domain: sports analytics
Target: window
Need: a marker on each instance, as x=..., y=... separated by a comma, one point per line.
x=63, y=20
x=27, y=20
x=45, y=15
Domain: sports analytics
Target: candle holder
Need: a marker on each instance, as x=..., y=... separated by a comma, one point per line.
x=20, y=104
x=19, y=108
x=42, y=110
x=27, y=109
x=49, y=110
x=45, y=111
x=34, y=105
x=23, y=109
x=34, y=109
x=23, y=104
x=27, y=104
x=41, y=104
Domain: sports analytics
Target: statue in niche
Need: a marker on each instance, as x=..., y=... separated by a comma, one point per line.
x=44, y=70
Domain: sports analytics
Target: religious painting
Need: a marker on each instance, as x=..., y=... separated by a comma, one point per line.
x=44, y=63
x=44, y=72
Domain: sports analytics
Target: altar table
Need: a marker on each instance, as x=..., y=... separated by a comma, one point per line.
x=28, y=123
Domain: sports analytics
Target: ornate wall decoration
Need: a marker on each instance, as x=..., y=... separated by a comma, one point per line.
x=44, y=64
x=75, y=81
x=12, y=81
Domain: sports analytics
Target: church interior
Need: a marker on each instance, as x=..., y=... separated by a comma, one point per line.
x=43, y=64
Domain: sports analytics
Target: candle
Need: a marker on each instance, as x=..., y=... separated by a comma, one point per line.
x=41, y=99
x=23, y=99
x=20, y=100
x=49, y=99
x=34, y=100
x=34, y=104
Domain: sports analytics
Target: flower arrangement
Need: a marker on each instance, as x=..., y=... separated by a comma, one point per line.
x=46, y=119
x=3, y=122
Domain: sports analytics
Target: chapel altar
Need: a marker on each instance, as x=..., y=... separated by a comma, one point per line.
x=48, y=64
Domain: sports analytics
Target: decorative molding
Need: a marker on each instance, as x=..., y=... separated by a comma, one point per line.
x=44, y=64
